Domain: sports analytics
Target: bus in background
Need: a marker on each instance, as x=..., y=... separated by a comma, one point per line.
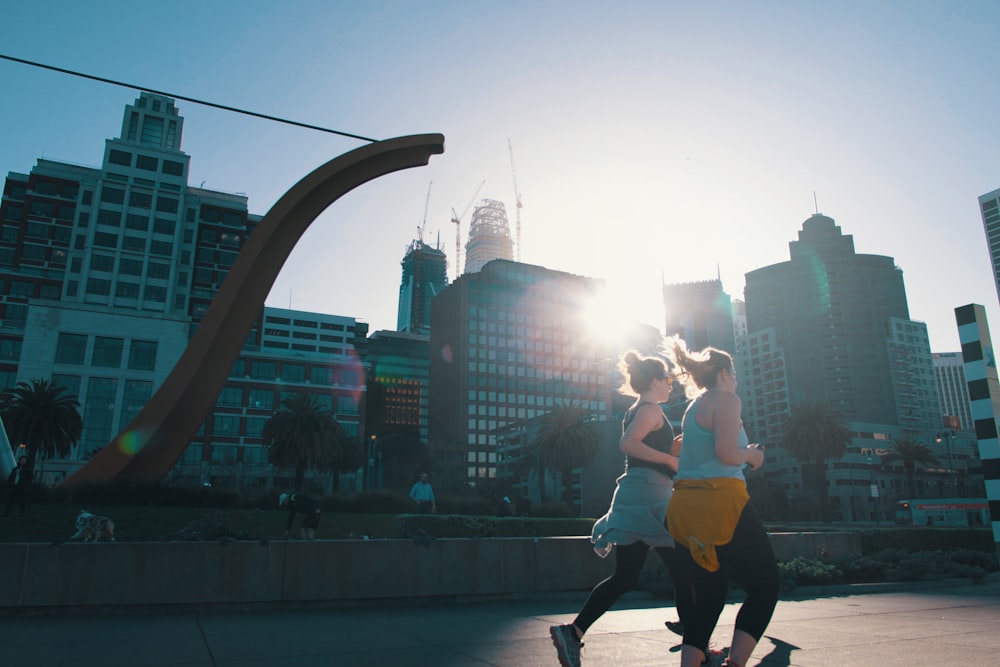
x=974, y=512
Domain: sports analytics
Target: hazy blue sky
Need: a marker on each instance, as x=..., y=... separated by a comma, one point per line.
x=650, y=138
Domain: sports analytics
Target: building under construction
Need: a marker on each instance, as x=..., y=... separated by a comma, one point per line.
x=489, y=236
x=425, y=274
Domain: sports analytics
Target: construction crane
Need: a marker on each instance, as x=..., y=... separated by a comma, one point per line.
x=420, y=229
x=457, y=219
x=517, y=204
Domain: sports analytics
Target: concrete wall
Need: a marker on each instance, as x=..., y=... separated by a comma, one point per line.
x=152, y=573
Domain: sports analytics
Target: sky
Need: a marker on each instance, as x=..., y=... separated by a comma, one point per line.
x=652, y=142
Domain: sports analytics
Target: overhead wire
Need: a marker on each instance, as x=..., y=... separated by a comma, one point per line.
x=193, y=100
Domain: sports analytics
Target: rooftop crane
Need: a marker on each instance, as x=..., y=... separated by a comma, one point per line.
x=517, y=203
x=420, y=229
x=457, y=219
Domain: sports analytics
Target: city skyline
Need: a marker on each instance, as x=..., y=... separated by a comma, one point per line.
x=688, y=143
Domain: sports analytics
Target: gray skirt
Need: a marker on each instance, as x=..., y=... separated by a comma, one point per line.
x=638, y=512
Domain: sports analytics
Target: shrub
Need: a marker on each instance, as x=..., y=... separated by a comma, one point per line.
x=459, y=525
x=809, y=572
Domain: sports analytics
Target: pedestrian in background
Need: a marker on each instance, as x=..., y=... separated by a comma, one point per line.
x=308, y=507
x=18, y=483
x=710, y=514
x=422, y=494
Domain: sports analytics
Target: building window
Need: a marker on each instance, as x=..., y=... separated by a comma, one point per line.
x=159, y=270
x=10, y=349
x=152, y=131
x=98, y=286
x=120, y=157
x=71, y=349
x=133, y=126
x=98, y=413
x=164, y=226
x=126, y=290
x=156, y=294
x=293, y=373
x=321, y=375
x=142, y=355
x=166, y=204
x=140, y=200
x=137, y=222
x=230, y=397
x=146, y=162
x=263, y=370
x=133, y=243
x=102, y=263
x=255, y=428
x=112, y=196
x=226, y=425
x=108, y=217
x=130, y=267
x=105, y=240
x=107, y=352
x=70, y=382
x=161, y=248
x=16, y=314
x=172, y=168
x=262, y=399
x=137, y=393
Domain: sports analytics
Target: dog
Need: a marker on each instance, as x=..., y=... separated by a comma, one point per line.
x=93, y=528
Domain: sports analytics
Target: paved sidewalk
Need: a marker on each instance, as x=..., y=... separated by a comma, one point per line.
x=936, y=625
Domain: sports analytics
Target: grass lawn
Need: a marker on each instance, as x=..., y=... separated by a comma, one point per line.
x=56, y=523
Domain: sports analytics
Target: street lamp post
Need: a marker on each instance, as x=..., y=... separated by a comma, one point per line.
x=874, y=488
x=947, y=435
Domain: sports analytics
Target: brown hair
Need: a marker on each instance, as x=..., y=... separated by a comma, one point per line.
x=640, y=371
x=700, y=369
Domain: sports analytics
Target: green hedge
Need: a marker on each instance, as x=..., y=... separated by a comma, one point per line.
x=460, y=525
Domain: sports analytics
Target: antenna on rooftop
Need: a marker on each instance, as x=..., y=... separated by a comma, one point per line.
x=815, y=203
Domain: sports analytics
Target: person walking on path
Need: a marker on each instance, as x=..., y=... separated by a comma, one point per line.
x=18, y=483
x=635, y=522
x=310, y=509
x=710, y=515
x=422, y=494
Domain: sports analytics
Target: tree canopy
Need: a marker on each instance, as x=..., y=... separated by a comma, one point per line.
x=566, y=439
x=305, y=435
x=816, y=433
x=44, y=417
x=910, y=452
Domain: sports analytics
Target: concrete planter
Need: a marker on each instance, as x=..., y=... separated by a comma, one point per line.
x=154, y=573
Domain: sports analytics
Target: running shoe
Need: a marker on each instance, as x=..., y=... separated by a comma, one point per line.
x=567, y=645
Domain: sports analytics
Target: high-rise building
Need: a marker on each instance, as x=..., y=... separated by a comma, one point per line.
x=701, y=313
x=989, y=207
x=105, y=272
x=425, y=274
x=949, y=371
x=489, y=236
x=832, y=326
x=984, y=398
x=739, y=318
x=508, y=344
x=397, y=384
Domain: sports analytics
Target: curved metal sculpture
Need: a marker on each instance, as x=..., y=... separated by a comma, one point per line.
x=155, y=439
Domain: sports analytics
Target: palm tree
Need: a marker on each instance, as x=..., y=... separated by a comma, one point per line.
x=815, y=432
x=566, y=440
x=305, y=435
x=910, y=451
x=43, y=417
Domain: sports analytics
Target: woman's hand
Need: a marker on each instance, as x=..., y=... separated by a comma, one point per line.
x=755, y=456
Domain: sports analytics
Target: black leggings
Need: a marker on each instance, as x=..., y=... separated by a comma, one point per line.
x=629, y=559
x=749, y=561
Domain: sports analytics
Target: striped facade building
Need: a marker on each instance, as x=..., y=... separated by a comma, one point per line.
x=984, y=399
